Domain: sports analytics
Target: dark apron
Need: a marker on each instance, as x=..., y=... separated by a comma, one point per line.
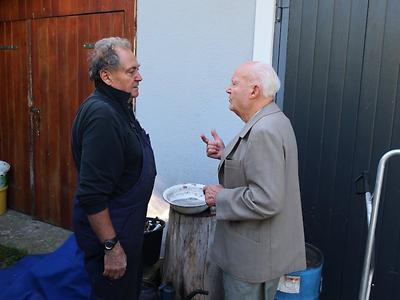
x=128, y=216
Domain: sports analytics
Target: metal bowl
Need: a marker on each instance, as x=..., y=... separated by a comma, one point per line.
x=186, y=198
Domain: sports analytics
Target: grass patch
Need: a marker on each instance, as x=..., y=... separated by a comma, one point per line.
x=9, y=255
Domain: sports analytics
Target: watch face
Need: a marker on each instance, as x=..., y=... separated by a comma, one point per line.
x=109, y=244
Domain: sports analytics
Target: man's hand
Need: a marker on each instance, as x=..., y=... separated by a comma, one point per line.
x=115, y=262
x=114, y=259
x=210, y=193
x=215, y=148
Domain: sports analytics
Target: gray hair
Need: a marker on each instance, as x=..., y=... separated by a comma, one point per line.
x=104, y=56
x=266, y=76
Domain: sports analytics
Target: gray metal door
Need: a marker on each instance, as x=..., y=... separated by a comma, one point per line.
x=280, y=44
x=342, y=92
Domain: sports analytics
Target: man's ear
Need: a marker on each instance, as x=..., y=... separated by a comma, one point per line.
x=255, y=91
x=106, y=77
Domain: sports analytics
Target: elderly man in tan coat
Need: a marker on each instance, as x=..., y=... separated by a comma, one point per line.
x=259, y=233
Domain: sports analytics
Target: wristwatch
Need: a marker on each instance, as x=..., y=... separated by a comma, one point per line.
x=109, y=244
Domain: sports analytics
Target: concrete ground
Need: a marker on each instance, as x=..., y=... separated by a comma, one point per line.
x=20, y=231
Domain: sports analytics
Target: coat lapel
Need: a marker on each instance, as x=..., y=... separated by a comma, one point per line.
x=267, y=110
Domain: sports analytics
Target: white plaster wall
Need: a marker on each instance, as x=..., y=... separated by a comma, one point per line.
x=188, y=51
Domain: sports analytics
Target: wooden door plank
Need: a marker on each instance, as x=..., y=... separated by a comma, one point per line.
x=26, y=9
x=67, y=64
x=40, y=81
x=53, y=99
x=20, y=188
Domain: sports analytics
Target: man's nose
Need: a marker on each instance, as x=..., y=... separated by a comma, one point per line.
x=138, y=77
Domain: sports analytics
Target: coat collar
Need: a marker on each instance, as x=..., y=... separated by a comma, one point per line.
x=112, y=93
x=116, y=98
x=269, y=109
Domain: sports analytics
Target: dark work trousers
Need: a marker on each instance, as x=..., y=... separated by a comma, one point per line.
x=128, y=216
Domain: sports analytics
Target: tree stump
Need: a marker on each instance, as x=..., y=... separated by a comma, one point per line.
x=186, y=264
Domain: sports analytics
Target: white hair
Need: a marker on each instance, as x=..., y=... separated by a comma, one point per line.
x=266, y=76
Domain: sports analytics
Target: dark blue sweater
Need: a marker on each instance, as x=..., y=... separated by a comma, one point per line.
x=106, y=150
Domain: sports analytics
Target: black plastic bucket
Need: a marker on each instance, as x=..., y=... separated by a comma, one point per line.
x=152, y=243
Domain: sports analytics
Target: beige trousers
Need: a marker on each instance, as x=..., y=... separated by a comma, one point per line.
x=236, y=289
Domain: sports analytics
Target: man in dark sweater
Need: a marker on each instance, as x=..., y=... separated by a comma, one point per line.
x=116, y=173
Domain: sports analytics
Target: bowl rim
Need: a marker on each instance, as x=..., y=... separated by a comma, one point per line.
x=179, y=185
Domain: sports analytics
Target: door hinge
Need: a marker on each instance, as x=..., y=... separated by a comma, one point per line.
x=88, y=45
x=280, y=6
x=8, y=47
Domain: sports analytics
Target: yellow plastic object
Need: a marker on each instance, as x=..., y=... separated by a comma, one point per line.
x=3, y=199
x=4, y=168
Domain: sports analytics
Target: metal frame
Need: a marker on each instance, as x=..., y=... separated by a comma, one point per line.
x=280, y=45
x=368, y=268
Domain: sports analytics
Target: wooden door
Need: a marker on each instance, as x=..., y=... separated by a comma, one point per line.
x=14, y=116
x=60, y=49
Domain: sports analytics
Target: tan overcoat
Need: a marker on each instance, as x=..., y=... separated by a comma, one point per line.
x=259, y=233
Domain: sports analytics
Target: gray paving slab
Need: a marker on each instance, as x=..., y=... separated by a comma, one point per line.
x=21, y=231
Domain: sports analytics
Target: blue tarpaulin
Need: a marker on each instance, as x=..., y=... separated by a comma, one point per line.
x=58, y=275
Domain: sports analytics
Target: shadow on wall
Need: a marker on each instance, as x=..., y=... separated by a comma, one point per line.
x=158, y=208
